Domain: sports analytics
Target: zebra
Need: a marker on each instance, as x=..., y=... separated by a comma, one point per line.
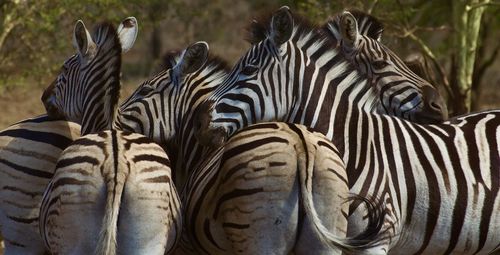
x=29, y=151
x=165, y=108
x=440, y=182
x=118, y=184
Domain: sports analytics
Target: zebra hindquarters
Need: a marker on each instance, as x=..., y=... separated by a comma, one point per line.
x=28, y=154
x=109, y=195
x=150, y=217
x=259, y=200
x=73, y=204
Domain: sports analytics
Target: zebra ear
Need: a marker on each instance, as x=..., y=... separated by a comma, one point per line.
x=281, y=26
x=127, y=32
x=368, y=25
x=82, y=40
x=193, y=58
x=349, y=30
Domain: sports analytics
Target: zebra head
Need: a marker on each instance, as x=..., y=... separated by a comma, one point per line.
x=164, y=105
x=87, y=88
x=402, y=92
x=232, y=105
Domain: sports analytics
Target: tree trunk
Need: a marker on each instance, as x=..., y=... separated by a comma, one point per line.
x=467, y=16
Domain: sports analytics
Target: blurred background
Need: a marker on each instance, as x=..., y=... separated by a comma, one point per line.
x=452, y=43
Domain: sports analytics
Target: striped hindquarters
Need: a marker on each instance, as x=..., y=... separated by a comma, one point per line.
x=28, y=154
x=111, y=190
x=256, y=201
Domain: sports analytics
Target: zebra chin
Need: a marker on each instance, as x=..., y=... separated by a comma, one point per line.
x=48, y=100
x=211, y=137
x=205, y=133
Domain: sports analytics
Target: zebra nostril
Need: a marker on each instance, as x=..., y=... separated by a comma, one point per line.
x=434, y=103
x=435, y=106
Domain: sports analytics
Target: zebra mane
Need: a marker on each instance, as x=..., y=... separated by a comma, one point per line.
x=109, y=52
x=260, y=28
x=367, y=25
x=216, y=63
x=372, y=26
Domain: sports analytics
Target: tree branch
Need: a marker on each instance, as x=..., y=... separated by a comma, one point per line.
x=372, y=6
x=486, y=3
x=428, y=52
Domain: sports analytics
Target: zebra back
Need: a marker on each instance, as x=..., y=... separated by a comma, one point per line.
x=87, y=88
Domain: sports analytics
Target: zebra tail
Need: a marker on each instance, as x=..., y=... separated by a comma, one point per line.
x=107, y=238
x=369, y=238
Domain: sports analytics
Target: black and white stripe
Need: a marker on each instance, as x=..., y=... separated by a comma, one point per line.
x=440, y=183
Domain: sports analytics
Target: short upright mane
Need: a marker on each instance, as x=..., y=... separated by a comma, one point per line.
x=171, y=58
x=367, y=25
x=373, y=25
x=106, y=38
x=260, y=28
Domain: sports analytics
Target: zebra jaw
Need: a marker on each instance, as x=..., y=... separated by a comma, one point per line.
x=206, y=134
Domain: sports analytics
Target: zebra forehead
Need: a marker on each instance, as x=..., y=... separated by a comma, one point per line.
x=104, y=32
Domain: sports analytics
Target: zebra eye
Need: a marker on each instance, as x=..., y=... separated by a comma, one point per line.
x=145, y=90
x=379, y=64
x=249, y=70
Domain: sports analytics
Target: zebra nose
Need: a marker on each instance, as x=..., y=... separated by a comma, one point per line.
x=47, y=93
x=434, y=106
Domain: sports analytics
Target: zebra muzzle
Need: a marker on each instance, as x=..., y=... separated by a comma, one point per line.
x=48, y=100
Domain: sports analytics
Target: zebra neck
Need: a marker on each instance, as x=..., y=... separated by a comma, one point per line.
x=327, y=93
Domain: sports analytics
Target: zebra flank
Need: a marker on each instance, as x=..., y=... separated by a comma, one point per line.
x=28, y=154
x=116, y=182
x=438, y=182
